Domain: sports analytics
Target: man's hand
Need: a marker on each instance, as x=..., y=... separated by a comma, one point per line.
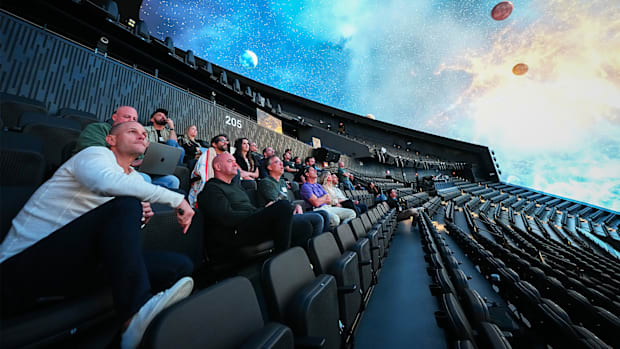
x=326, y=199
x=170, y=123
x=356, y=202
x=298, y=210
x=147, y=212
x=185, y=213
x=269, y=203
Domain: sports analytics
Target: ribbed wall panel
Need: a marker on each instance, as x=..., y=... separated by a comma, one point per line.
x=41, y=65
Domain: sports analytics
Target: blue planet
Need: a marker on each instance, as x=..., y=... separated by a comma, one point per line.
x=248, y=59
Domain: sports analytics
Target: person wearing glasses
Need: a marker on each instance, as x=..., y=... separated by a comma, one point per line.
x=203, y=170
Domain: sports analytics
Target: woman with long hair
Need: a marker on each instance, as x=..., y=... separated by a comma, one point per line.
x=329, y=181
x=192, y=146
x=325, y=179
x=245, y=160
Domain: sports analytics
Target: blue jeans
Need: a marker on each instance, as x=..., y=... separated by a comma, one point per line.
x=314, y=218
x=361, y=208
x=325, y=216
x=168, y=181
x=101, y=247
x=348, y=185
x=175, y=144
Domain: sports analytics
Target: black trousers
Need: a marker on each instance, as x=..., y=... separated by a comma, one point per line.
x=270, y=223
x=99, y=248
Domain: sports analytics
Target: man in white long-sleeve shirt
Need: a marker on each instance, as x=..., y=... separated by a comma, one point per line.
x=87, y=215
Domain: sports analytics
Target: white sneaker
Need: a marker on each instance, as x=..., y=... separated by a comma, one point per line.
x=134, y=332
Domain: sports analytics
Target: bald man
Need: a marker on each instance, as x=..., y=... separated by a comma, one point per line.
x=94, y=135
x=86, y=216
x=233, y=220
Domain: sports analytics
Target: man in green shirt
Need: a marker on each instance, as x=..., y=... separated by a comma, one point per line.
x=344, y=177
x=231, y=219
x=273, y=188
x=289, y=165
x=94, y=136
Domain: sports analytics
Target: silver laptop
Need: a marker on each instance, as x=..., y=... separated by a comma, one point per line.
x=160, y=159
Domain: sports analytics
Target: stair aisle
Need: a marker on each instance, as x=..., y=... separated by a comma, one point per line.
x=400, y=313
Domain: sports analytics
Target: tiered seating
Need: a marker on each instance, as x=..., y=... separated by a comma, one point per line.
x=526, y=258
x=415, y=200
x=432, y=205
x=449, y=193
x=464, y=315
x=462, y=200
x=568, y=263
x=359, y=256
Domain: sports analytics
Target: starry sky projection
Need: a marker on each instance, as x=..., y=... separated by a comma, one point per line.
x=442, y=67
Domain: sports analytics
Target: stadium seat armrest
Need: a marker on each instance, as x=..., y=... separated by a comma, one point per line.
x=346, y=289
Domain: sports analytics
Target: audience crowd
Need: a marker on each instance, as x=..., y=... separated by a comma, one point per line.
x=88, y=215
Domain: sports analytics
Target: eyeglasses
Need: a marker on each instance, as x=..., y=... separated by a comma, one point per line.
x=222, y=140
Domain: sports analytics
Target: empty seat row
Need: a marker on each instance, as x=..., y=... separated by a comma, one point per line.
x=506, y=273
x=464, y=314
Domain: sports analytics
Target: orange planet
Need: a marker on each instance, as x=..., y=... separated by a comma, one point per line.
x=502, y=10
x=520, y=69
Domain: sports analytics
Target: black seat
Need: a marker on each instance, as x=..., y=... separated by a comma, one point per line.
x=373, y=230
x=475, y=307
x=226, y=315
x=12, y=107
x=83, y=118
x=453, y=319
x=21, y=172
x=360, y=232
x=307, y=304
x=289, y=177
x=602, y=322
x=442, y=283
x=249, y=184
x=327, y=259
x=21, y=160
x=295, y=190
x=346, y=241
x=163, y=233
x=490, y=336
x=55, y=133
x=555, y=324
x=183, y=174
x=50, y=324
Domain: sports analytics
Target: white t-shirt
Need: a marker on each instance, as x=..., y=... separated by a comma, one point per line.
x=89, y=179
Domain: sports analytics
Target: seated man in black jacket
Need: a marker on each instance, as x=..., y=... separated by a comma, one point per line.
x=232, y=221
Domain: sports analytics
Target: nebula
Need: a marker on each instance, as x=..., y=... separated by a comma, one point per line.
x=556, y=129
x=443, y=67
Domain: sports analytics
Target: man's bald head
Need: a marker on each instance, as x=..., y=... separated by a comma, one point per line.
x=120, y=127
x=224, y=167
x=220, y=159
x=123, y=114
